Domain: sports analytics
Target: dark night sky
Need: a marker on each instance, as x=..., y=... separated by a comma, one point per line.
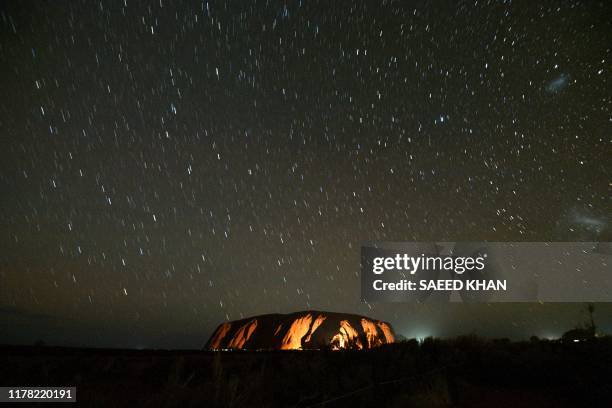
x=165, y=166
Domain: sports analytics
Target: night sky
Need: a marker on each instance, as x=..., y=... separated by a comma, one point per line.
x=165, y=166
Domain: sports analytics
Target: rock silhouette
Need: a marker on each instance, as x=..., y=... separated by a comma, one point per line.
x=300, y=331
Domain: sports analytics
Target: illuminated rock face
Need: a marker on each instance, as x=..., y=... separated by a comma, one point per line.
x=301, y=331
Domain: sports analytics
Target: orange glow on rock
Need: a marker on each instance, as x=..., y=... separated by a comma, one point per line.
x=371, y=332
x=243, y=335
x=309, y=329
x=347, y=337
x=315, y=326
x=387, y=331
x=298, y=329
x=220, y=335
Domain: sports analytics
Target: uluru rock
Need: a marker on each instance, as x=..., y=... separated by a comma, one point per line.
x=301, y=331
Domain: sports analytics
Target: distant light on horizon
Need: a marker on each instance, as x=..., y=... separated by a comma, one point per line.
x=420, y=335
x=550, y=336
